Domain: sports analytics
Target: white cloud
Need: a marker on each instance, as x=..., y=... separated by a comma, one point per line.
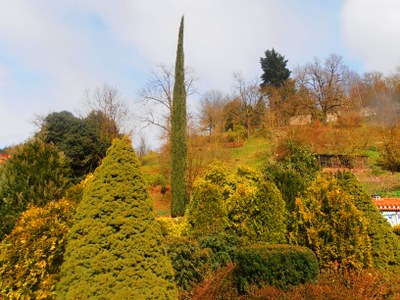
x=51, y=51
x=371, y=30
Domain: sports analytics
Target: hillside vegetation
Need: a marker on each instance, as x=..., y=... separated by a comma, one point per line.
x=263, y=194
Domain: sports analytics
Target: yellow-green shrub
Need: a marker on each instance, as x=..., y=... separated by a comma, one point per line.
x=30, y=257
x=115, y=248
x=328, y=222
x=242, y=204
x=172, y=227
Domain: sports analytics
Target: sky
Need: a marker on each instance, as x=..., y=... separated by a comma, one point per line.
x=51, y=52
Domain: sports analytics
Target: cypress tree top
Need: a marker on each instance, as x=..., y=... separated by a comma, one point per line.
x=115, y=248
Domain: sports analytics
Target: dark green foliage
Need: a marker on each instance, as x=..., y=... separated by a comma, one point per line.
x=385, y=243
x=274, y=67
x=289, y=182
x=35, y=174
x=115, y=249
x=224, y=248
x=78, y=138
x=300, y=158
x=178, y=133
x=189, y=260
x=278, y=265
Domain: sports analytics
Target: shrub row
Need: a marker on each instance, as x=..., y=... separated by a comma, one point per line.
x=257, y=265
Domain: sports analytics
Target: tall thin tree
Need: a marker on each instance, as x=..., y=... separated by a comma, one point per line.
x=178, y=133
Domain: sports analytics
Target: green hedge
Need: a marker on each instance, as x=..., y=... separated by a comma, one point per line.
x=278, y=265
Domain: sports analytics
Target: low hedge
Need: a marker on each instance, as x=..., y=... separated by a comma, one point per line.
x=277, y=265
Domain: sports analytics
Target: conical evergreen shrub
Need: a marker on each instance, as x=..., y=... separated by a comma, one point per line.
x=385, y=243
x=115, y=248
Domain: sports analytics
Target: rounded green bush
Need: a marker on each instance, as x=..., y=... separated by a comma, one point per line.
x=242, y=204
x=278, y=265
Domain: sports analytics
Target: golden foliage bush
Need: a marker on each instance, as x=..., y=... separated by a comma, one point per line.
x=30, y=257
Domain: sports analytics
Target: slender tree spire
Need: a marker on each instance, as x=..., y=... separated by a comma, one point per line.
x=178, y=133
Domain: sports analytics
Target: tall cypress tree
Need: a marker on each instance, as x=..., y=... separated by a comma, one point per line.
x=178, y=133
x=115, y=248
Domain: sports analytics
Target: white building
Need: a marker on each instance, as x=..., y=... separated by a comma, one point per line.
x=389, y=207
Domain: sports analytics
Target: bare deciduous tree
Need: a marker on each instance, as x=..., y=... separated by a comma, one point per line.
x=212, y=114
x=322, y=86
x=108, y=109
x=252, y=102
x=156, y=97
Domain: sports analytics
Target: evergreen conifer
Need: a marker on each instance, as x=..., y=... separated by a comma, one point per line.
x=178, y=133
x=115, y=248
x=385, y=243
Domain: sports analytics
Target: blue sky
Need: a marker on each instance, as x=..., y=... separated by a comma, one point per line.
x=51, y=52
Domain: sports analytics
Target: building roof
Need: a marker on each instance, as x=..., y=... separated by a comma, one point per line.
x=387, y=204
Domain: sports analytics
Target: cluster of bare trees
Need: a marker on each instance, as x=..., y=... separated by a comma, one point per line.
x=320, y=90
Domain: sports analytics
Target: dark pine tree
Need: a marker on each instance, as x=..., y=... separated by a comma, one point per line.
x=115, y=249
x=178, y=133
x=274, y=67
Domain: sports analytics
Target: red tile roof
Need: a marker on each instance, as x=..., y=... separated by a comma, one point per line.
x=387, y=204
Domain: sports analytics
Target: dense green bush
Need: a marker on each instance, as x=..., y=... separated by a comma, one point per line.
x=190, y=261
x=31, y=255
x=299, y=157
x=278, y=265
x=289, y=182
x=207, y=212
x=385, y=244
x=328, y=222
x=242, y=204
x=115, y=248
x=224, y=248
x=35, y=174
x=257, y=212
x=80, y=139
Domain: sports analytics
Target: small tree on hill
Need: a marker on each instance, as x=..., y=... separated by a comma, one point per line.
x=274, y=67
x=115, y=248
x=178, y=133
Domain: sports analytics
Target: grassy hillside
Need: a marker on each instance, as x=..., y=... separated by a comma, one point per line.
x=254, y=153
